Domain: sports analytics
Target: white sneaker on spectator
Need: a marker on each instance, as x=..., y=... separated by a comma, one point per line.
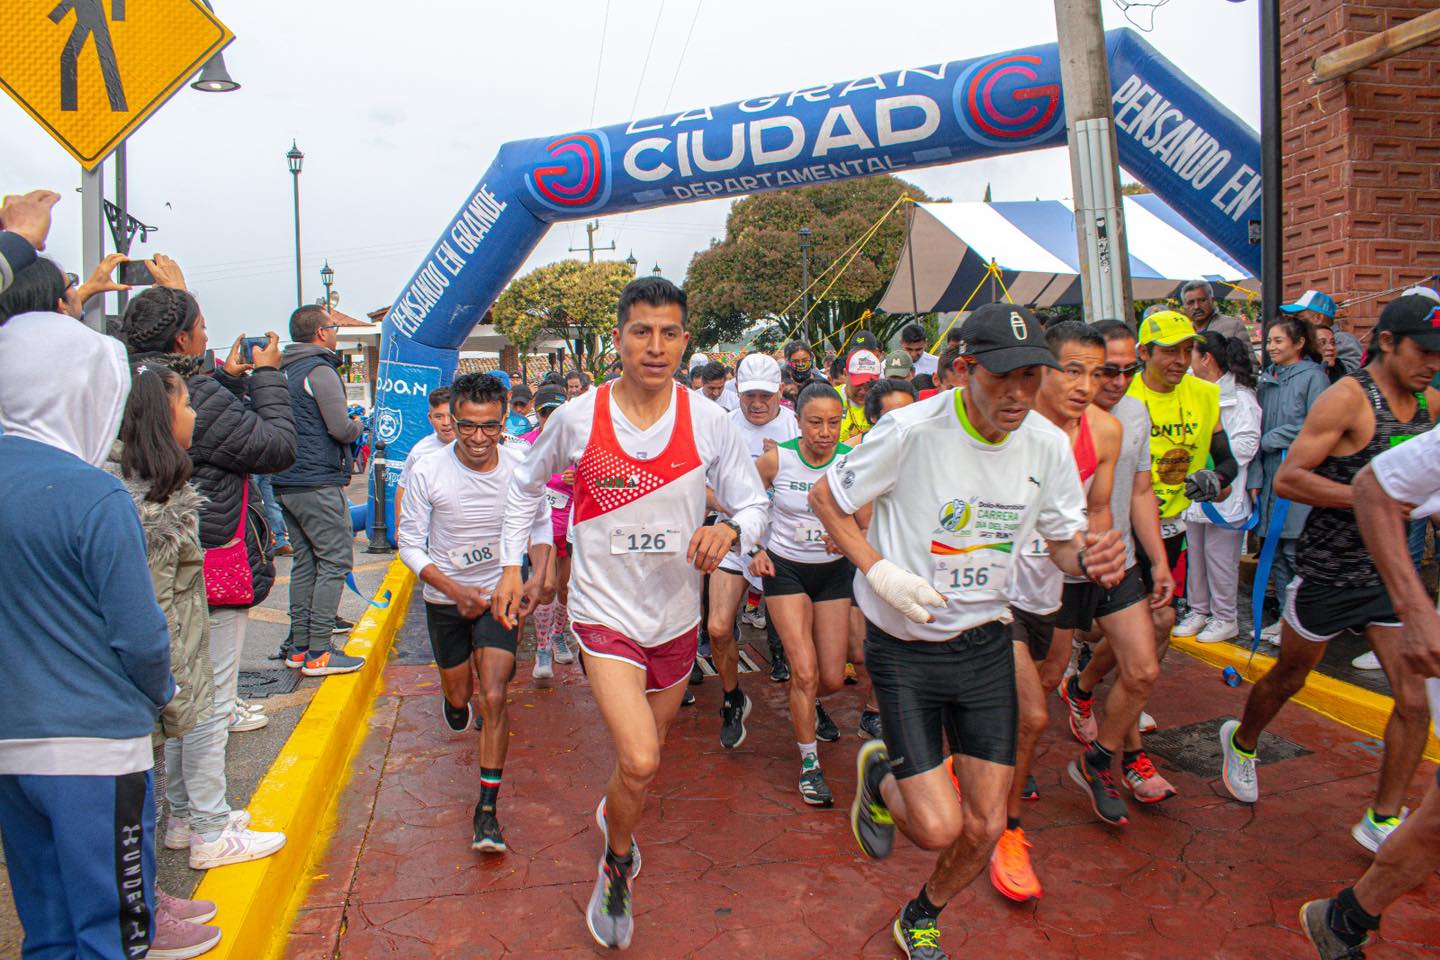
x=1271, y=634
x=1147, y=723
x=234, y=845
x=1190, y=624
x=243, y=720
x=1217, y=630
x=1366, y=661
x=177, y=831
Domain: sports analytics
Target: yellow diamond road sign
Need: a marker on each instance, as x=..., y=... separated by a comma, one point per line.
x=91, y=71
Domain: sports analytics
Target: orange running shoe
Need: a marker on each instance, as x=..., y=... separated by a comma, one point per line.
x=950, y=769
x=1010, y=869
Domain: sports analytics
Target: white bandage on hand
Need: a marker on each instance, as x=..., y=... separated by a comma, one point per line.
x=903, y=590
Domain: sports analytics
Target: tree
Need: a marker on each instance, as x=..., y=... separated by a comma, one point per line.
x=570, y=300
x=753, y=276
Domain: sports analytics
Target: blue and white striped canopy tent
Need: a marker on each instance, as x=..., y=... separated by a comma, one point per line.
x=1033, y=244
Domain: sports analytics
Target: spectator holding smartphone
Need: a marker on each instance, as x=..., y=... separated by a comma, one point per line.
x=243, y=427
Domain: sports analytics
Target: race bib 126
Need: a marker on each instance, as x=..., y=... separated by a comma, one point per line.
x=645, y=538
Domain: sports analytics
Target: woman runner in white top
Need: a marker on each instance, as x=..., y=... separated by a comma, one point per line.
x=808, y=588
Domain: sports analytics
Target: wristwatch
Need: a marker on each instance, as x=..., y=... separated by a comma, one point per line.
x=733, y=526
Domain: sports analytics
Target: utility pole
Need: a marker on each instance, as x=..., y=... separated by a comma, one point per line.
x=92, y=238
x=590, y=230
x=1090, y=128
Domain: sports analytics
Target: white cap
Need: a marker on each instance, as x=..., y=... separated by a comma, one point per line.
x=758, y=371
x=1422, y=292
x=698, y=360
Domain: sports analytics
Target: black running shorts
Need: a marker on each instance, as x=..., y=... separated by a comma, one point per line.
x=1175, y=555
x=1035, y=630
x=834, y=580
x=453, y=637
x=1081, y=604
x=962, y=689
x=1319, y=612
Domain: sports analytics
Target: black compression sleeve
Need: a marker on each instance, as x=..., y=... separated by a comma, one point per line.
x=1225, y=464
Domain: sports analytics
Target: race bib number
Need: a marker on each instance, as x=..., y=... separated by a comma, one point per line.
x=645, y=538
x=1171, y=528
x=472, y=555
x=810, y=534
x=1036, y=547
x=971, y=572
x=556, y=499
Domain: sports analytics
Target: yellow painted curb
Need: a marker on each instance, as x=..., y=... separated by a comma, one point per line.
x=1356, y=707
x=258, y=900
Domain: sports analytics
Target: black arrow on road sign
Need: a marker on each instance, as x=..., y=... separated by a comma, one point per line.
x=90, y=21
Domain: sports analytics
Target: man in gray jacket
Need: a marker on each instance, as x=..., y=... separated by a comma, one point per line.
x=312, y=492
x=1199, y=300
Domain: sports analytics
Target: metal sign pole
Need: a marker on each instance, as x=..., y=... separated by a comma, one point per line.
x=92, y=238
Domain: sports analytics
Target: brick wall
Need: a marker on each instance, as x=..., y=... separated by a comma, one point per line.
x=1361, y=157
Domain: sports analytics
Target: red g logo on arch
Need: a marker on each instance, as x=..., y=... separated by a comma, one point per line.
x=1005, y=102
x=575, y=176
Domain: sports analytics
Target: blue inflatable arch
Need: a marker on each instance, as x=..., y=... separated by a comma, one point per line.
x=1173, y=137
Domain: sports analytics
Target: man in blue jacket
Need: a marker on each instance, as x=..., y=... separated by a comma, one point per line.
x=85, y=648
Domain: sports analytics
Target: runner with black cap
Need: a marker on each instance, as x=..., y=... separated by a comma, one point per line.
x=1336, y=585
x=953, y=484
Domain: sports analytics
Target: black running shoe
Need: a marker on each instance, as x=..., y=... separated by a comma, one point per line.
x=1031, y=790
x=870, y=725
x=825, y=728
x=813, y=788
x=870, y=819
x=920, y=940
x=732, y=721
x=342, y=625
x=689, y=699
x=697, y=676
x=1329, y=947
x=1100, y=785
x=779, y=667
x=456, y=718
x=488, y=838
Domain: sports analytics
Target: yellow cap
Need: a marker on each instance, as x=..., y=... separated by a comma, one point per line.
x=1167, y=328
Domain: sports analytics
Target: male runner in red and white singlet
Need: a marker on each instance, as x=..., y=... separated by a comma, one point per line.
x=645, y=452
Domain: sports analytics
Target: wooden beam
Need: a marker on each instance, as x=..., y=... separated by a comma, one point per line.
x=1355, y=56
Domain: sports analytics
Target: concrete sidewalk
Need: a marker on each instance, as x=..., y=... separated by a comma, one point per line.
x=737, y=866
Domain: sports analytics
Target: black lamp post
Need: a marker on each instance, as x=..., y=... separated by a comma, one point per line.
x=656, y=271
x=805, y=282
x=631, y=262
x=296, y=160
x=327, y=277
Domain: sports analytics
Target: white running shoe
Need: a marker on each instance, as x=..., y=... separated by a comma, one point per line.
x=563, y=653
x=243, y=720
x=1218, y=630
x=177, y=831
x=1238, y=770
x=1271, y=634
x=1370, y=833
x=543, y=669
x=1147, y=723
x=234, y=845
x=1189, y=625
x=1366, y=661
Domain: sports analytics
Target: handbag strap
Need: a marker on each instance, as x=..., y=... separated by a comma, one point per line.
x=244, y=505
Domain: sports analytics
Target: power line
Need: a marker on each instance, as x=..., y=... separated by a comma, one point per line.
x=599, y=61
x=683, y=49
x=635, y=104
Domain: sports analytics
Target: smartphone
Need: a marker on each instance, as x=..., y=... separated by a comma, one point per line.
x=136, y=273
x=252, y=344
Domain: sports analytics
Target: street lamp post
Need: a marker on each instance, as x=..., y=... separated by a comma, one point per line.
x=631, y=262
x=805, y=283
x=327, y=277
x=296, y=160
x=656, y=271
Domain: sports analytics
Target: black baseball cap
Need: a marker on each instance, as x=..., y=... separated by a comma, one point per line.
x=549, y=396
x=865, y=340
x=520, y=394
x=1415, y=316
x=1005, y=337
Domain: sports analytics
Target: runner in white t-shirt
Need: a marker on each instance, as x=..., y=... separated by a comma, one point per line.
x=763, y=423
x=1399, y=485
x=645, y=452
x=450, y=538
x=912, y=341
x=444, y=426
x=956, y=482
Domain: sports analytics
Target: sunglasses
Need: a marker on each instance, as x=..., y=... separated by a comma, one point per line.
x=1112, y=372
x=71, y=281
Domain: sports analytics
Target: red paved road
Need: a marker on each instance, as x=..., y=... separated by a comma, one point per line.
x=737, y=867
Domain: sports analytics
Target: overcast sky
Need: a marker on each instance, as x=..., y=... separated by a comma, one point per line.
x=399, y=108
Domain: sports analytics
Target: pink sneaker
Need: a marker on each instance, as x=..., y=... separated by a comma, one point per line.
x=1145, y=782
x=1081, y=714
x=180, y=939
x=194, y=911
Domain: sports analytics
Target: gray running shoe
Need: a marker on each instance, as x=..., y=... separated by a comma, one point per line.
x=732, y=721
x=870, y=728
x=870, y=819
x=1329, y=946
x=1237, y=769
x=609, y=916
x=813, y=788
x=919, y=940
x=1105, y=800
